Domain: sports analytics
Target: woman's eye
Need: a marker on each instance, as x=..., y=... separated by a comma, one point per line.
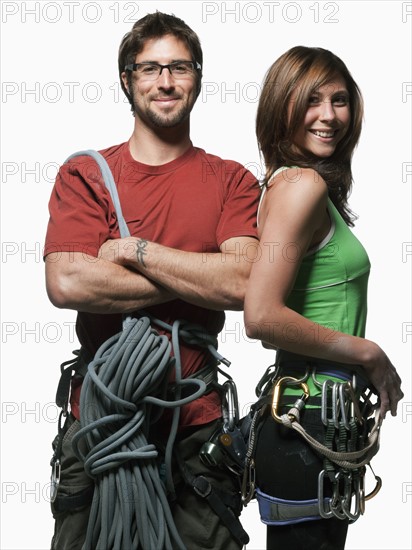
x=340, y=100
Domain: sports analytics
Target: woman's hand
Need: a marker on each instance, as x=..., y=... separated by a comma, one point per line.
x=383, y=375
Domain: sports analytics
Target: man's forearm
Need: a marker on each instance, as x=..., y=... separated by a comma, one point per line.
x=212, y=280
x=95, y=285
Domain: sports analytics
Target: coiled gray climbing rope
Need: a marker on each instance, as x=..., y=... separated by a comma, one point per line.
x=126, y=379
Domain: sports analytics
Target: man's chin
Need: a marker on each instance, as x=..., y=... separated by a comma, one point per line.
x=168, y=121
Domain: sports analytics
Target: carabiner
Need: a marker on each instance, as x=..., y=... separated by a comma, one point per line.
x=266, y=380
x=231, y=412
x=55, y=480
x=248, y=483
x=277, y=395
x=356, y=412
x=324, y=414
x=323, y=502
x=344, y=404
x=337, y=498
x=335, y=404
x=348, y=495
x=377, y=487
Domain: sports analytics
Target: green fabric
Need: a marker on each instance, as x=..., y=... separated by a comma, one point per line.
x=331, y=285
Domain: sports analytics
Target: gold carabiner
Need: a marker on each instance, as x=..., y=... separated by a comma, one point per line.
x=377, y=487
x=277, y=395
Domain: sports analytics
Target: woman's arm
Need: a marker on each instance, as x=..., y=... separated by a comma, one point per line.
x=294, y=217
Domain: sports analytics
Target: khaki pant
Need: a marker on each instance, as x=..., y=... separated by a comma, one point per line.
x=198, y=525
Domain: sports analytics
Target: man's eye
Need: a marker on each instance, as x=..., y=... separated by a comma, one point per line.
x=180, y=68
x=148, y=69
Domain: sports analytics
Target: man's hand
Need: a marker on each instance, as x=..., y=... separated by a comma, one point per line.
x=121, y=251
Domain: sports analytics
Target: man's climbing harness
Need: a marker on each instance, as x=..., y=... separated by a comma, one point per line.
x=351, y=439
x=125, y=390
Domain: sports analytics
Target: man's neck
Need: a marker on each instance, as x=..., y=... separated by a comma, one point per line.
x=160, y=147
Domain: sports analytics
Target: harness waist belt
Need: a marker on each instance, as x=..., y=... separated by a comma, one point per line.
x=207, y=374
x=65, y=503
x=288, y=361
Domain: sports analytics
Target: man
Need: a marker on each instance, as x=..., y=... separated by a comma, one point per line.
x=192, y=217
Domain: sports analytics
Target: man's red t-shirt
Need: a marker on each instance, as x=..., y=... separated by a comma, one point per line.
x=193, y=203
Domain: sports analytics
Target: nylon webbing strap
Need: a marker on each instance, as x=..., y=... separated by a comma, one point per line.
x=67, y=503
x=204, y=489
x=277, y=511
x=63, y=388
x=76, y=365
x=110, y=184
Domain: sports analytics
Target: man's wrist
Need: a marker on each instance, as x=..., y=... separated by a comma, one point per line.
x=140, y=252
x=133, y=253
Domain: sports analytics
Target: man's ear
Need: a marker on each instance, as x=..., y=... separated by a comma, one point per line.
x=124, y=80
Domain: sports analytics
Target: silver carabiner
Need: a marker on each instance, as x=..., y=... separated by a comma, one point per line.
x=324, y=411
x=323, y=502
x=344, y=404
x=347, y=499
x=335, y=404
x=55, y=480
x=356, y=412
x=337, y=499
x=249, y=483
x=230, y=405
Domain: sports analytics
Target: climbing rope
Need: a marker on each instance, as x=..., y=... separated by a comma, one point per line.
x=123, y=393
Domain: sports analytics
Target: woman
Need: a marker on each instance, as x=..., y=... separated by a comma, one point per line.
x=306, y=298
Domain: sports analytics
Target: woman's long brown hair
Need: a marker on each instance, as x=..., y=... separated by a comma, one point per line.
x=300, y=71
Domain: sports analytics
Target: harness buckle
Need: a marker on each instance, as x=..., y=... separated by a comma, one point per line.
x=277, y=392
x=202, y=486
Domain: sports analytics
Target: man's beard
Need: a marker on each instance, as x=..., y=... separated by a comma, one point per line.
x=164, y=120
x=168, y=121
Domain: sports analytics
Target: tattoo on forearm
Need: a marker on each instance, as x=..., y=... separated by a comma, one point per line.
x=141, y=251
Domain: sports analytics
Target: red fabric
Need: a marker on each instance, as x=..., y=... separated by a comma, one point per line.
x=193, y=203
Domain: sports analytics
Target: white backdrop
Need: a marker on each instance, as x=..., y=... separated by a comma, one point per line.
x=60, y=94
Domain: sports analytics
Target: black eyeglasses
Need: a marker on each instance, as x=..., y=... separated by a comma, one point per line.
x=151, y=71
